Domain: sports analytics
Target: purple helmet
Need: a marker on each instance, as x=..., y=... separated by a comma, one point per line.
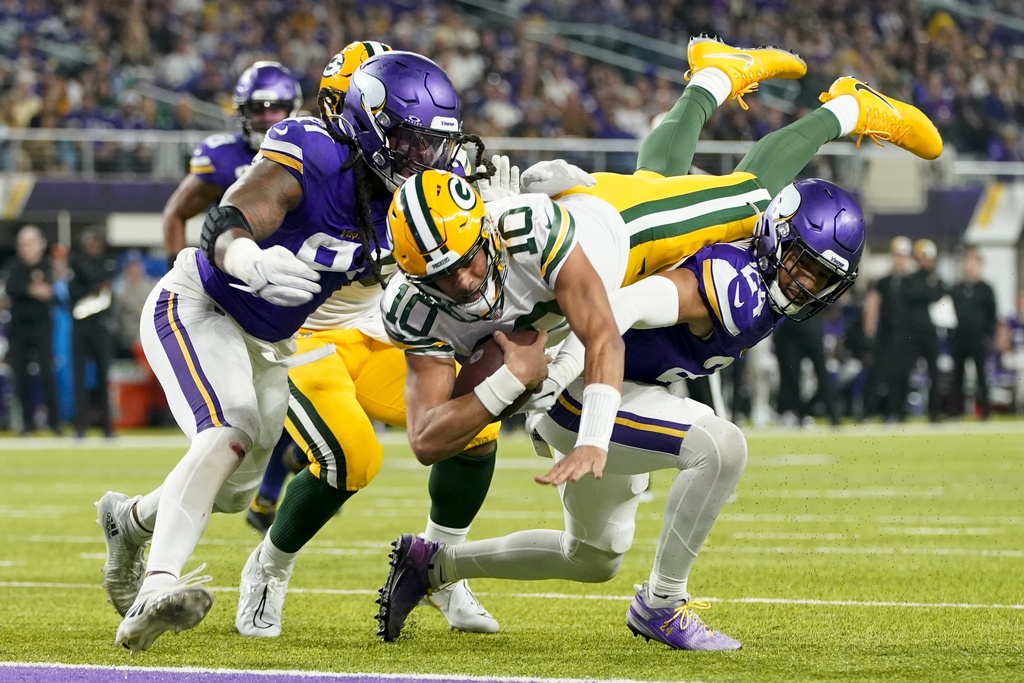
x=403, y=112
x=813, y=226
x=264, y=85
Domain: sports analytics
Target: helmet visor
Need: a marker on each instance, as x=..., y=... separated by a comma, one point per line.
x=415, y=149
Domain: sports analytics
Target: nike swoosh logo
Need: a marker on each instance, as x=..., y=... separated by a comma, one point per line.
x=643, y=267
x=280, y=130
x=868, y=89
x=747, y=60
x=736, y=299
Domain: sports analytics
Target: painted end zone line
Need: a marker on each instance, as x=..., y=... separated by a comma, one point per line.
x=16, y=672
x=570, y=596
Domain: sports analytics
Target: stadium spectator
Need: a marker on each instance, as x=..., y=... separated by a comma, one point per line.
x=973, y=338
x=90, y=283
x=886, y=327
x=794, y=343
x=131, y=288
x=29, y=282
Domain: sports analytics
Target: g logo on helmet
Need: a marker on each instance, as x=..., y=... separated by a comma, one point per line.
x=462, y=194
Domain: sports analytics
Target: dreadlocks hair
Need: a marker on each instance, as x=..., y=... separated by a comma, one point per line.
x=367, y=235
x=484, y=168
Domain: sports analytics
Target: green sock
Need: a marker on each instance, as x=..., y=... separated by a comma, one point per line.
x=308, y=505
x=778, y=157
x=669, y=148
x=458, y=487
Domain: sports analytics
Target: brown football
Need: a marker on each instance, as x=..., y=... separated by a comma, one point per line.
x=481, y=364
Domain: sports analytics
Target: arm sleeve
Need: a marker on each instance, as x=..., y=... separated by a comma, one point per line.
x=651, y=302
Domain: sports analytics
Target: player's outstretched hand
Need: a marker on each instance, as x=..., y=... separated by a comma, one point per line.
x=528, y=363
x=274, y=274
x=504, y=183
x=553, y=177
x=581, y=461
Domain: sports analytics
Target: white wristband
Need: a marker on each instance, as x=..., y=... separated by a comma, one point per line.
x=597, y=417
x=498, y=391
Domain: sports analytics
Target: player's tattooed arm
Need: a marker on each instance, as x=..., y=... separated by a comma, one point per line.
x=264, y=195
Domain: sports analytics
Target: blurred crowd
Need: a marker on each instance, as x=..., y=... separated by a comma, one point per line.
x=81, y=64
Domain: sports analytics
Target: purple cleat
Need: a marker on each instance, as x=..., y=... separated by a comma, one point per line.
x=678, y=626
x=406, y=585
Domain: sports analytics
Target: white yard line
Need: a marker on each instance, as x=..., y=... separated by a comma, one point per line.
x=813, y=602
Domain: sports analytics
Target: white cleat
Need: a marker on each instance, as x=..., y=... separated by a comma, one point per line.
x=178, y=607
x=260, y=600
x=461, y=608
x=125, y=566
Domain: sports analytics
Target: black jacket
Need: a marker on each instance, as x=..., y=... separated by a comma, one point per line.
x=29, y=316
x=975, y=305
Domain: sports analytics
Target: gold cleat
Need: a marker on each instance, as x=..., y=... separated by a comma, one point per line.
x=885, y=118
x=746, y=68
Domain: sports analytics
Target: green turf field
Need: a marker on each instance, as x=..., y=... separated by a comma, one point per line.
x=861, y=554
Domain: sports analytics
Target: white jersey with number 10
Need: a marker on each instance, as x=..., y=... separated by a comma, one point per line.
x=537, y=235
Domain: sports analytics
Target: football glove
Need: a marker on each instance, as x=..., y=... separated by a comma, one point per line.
x=503, y=184
x=554, y=177
x=274, y=274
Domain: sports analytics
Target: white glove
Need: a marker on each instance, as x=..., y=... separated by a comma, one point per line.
x=503, y=184
x=274, y=274
x=543, y=399
x=553, y=177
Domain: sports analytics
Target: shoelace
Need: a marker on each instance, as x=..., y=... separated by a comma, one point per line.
x=882, y=126
x=192, y=578
x=755, y=76
x=685, y=616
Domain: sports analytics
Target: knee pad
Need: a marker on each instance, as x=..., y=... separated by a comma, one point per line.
x=719, y=441
x=592, y=564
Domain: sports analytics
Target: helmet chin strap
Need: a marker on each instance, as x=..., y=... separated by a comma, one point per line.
x=779, y=302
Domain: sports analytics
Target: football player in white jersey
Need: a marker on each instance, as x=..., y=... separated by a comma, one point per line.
x=467, y=273
x=721, y=300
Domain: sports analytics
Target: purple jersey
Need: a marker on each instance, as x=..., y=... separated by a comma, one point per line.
x=220, y=159
x=323, y=230
x=736, y=298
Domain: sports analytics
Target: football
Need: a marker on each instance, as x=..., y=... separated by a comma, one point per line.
x=481, y=364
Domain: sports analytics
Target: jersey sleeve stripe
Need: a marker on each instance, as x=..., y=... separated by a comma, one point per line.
x=709, y=290
x=283, y=147
x=282, y=159
x=426, y=348
x=201, y=170
x=718, y=272
x=559, y=244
